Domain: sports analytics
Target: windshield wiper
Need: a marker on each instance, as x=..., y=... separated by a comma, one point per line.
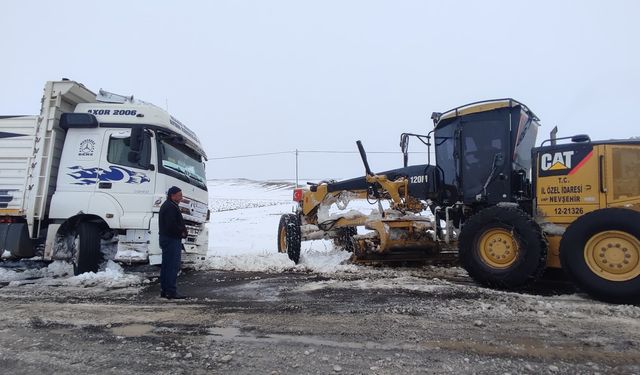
x=189, y=175
x=193, y=175
x=177, y=169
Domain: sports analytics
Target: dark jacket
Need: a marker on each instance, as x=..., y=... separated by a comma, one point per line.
x=170, y=220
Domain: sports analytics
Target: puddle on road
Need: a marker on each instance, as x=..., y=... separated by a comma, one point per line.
x=134, y=330
x=236, y=334
x=257, y=291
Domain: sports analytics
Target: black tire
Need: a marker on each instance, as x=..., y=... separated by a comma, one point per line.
x=503, y=247
x=593, y=255
x=87, y=255
x=344, y=238
x=289, y=237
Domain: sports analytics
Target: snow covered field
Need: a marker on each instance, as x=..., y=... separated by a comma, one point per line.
x=243, y=230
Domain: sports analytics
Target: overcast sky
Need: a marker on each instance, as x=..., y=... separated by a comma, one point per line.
x=273, y=76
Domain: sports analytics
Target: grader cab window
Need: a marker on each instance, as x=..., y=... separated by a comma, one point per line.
x=482, y=142
x=444, y=143
x=626, y=172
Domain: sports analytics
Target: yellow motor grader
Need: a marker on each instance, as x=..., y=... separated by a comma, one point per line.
x=508, y=209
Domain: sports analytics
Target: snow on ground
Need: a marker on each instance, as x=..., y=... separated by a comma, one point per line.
x=60, y=273
x=244, y=225
x=55, y=269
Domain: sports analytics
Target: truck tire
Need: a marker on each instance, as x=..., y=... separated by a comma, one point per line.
x=600, y=252
x=289, y=237
x=503, y=247
x=86, y=255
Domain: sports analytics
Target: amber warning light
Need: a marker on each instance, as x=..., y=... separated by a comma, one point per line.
x=297, y=195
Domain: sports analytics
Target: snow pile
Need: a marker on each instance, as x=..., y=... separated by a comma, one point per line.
x=314, y=261
x=401, y=282
x=327, y=261
x=59, y=268
x=5, y=254
x=272, y=263
x=112, y=276
x=55, y=269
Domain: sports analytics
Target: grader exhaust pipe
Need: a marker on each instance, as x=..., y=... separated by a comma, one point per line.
x=363, y=155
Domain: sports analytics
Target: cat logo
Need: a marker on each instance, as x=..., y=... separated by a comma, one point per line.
x=557, y=161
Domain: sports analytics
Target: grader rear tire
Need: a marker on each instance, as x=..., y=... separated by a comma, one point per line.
x=289, y=236
x=502, y=247
x=600, y=252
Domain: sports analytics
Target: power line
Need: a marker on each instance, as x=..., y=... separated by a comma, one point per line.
x=344, y=152
x=252, y=155
x=310, y=152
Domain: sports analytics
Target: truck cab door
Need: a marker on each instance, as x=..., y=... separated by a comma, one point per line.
x=127, y=175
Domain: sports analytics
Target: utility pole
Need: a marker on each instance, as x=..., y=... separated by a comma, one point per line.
x=297, y=168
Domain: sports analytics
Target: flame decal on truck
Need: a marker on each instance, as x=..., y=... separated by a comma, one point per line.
x=88, y=176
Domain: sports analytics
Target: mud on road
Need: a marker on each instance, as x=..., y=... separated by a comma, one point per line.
x=377, y=322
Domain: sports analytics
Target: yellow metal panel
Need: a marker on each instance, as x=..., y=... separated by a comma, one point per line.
x=553, y=255
x=563, y=198
x=483, y=107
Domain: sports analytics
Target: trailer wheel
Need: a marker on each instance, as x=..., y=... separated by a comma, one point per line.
x=600, y=252
x=86, y=248
x=344, y=238
x=289, y=237
x=503, y=247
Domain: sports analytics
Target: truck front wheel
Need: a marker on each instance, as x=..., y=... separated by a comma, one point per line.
x=86, y=256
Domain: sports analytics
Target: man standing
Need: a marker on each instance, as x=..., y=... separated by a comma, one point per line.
x=172, y=231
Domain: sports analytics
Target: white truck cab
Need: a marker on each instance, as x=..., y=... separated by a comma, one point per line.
x=95, y=171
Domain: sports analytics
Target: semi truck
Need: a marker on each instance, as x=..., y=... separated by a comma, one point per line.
x=84, y=180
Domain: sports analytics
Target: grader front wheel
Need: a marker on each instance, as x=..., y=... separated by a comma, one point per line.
x=502, y=247
x=289, y=236
x=498, y=248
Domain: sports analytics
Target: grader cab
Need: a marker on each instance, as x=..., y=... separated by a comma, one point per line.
x=505, y=209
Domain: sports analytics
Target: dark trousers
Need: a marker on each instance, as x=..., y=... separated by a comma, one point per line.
x=171, y=258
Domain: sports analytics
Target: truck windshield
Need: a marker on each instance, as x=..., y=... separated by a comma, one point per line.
x=183, y=161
